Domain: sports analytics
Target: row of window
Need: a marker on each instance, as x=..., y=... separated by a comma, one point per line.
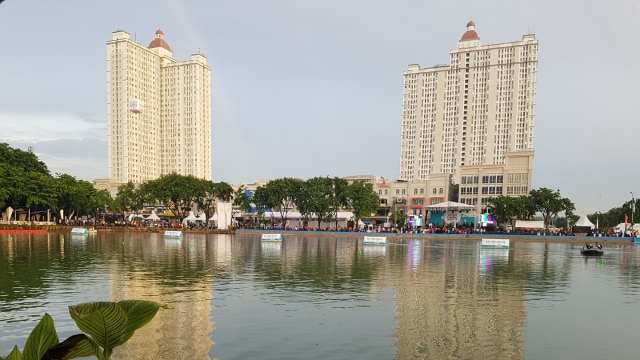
x=517, y=190
x=518, y=178
x=421, y=191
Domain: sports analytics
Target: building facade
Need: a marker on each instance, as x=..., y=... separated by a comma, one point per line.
x=471, y=115
x=159, y=111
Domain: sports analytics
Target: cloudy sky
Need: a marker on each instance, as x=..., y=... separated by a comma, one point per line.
x=314, y=88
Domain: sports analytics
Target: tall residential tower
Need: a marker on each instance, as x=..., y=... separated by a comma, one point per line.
x=159, y=111
x=473, y=118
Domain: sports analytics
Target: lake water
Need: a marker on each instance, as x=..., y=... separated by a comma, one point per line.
x=315, y=297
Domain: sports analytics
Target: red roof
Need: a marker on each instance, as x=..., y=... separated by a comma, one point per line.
x=159, y=41
x=471, y=33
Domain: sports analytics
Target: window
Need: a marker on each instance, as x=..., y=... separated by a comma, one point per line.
x=441, y=190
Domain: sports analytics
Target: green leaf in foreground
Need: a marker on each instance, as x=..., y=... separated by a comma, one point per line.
x=73, y=347
x=104, y=322
x=14, y=355
x=139, y=313
x=42, y=337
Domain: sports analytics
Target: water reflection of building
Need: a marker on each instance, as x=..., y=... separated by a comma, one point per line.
x=184, y=330
x=456, y=311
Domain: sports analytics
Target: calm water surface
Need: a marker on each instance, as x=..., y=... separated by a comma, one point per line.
x=314, y=297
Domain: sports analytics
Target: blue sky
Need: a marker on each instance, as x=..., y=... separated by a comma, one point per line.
x=314, y=88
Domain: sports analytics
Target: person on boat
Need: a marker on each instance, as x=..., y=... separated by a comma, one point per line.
x=587, y=246
x=599, y=246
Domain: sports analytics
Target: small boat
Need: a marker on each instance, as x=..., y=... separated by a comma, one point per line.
x=594, y=251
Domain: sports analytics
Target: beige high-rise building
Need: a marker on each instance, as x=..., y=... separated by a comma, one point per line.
x=159, y=111
x=469, y=116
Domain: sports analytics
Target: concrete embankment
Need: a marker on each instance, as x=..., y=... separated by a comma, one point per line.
x=453, y=237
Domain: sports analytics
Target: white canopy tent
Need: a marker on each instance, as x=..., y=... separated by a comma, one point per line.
x=621, y=227
x=133, y=216
x=153, y=216
x=584, y=221
x=191, y=218
x=202, y=217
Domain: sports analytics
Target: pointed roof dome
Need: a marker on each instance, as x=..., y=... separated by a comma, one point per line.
x=471, y=33
x=159, y=41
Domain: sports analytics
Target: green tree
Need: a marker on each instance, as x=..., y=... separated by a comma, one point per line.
x=503, y=208
x=242, y=200
x=524, y=206
x=214, y=192
x=549, y=203
x=25, y=188
x=178, y=192
x=26, y=181
x=78, y=197
x=314, y=199
x=399, y=219
x=361, y=199
x=128, y=198
x=282, y=193
x=263, y=201
x=26, y=161
x=338, y=200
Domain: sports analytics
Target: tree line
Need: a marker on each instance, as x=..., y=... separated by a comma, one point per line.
x=544, y=201
x=25, y=182
x=317, y=199
x=549, y=204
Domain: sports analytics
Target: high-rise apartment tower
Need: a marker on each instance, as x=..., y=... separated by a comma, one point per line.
x=473, y=118
x=159, y=111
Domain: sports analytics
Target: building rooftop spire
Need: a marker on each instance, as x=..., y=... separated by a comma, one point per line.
x=159, y=41
x=471, y=33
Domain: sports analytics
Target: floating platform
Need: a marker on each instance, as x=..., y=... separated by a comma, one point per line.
x=271, y=237
x=375, y=240
x=173, y=234
x=79, y=231
x=494, y=243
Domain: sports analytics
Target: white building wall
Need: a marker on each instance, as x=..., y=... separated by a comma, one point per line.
x=172, y=133
x=471, y=111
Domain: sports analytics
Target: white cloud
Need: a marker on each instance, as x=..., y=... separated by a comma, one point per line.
x=27, y=128
x=68, y=144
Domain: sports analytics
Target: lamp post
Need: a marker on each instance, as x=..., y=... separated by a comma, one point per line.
x=633, y=209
